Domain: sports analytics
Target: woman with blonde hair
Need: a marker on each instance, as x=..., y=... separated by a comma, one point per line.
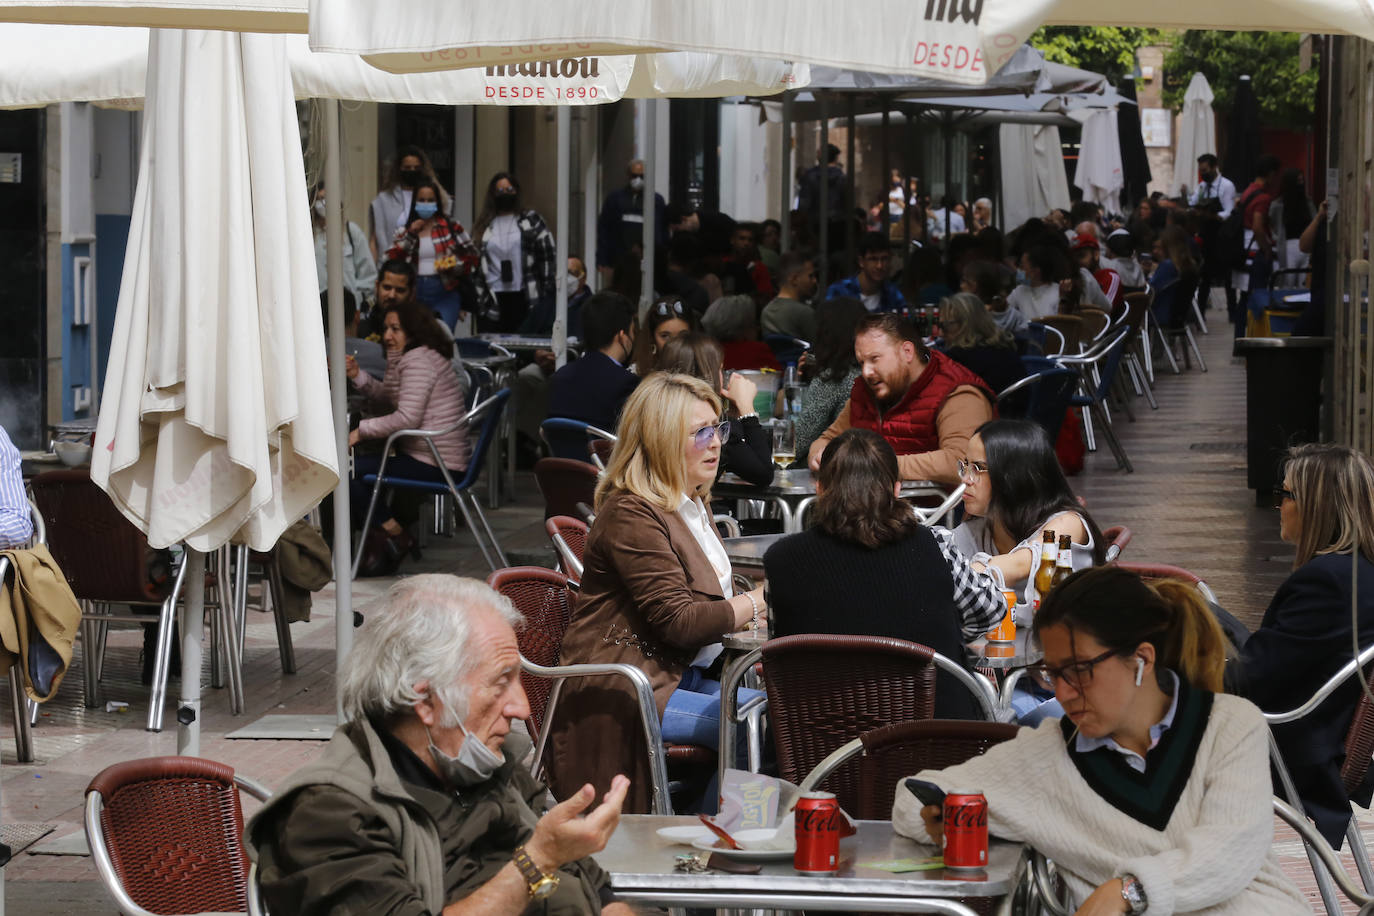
x=1326, y=510
x=969, y=336
x=1151, y=794
x=656, y=591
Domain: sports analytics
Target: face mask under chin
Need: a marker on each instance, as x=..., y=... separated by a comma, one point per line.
x=475, y=763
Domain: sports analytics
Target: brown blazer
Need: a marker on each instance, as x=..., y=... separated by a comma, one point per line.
x=649, y=598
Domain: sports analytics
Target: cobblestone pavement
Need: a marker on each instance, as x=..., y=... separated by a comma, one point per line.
x=1186, y=504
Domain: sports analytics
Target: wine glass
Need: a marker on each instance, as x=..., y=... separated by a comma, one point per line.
x=784, y=446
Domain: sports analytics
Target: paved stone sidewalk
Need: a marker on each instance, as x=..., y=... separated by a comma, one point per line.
x=1186, y=504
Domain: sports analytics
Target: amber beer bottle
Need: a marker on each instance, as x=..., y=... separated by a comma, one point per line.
x=1063, y=567
x=1044, y=574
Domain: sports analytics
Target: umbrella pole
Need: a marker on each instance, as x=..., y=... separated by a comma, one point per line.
x=649, y=209
x=192, y=625
x=785, y=178
x=560, y=238
x=947, y=128
x=823, y=196
x=849, y=241
x=591, y=158
x=338, y=386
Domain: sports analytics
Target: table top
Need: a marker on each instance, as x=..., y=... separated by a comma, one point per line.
x=638, y=860
x=744, y=641
x=494, y=361
x=749, y=551
x=801, y=482
x=1018, y=654
x=524, y=341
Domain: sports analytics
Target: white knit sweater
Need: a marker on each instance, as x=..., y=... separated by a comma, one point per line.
x=1214, y=855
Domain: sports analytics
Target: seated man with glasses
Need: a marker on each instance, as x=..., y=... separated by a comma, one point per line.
x=1152, y=793
x=923, y=403
x=871, y=285
x=594, y=387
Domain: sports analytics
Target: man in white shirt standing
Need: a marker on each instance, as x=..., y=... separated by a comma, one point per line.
x=1214, y=198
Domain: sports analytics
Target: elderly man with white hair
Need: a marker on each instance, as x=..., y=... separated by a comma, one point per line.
x=982, y=215
x=419, y=804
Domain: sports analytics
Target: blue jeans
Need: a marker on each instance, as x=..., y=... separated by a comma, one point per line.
x=1033, y=705
x=692, y=715
x=360, y=492
x=430, y=290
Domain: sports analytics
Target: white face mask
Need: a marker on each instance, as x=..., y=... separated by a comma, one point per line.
x=475, y=763
x=574, y=281
x=637, y=183
x=319, y=208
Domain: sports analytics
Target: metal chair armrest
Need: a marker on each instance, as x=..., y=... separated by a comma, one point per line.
x=1314, y=841
x=930, y=517
x=1017, y=386
x=648, y=714
x=982, y=691
x=252, y=787
x=566, y=555
x=729, y=709
x=255, y=904
x=40, y=528
x=828, y=765
x=757, y=703
x=599, y=433
x=729, y=522
x=1347, y=670
x=1044, y=885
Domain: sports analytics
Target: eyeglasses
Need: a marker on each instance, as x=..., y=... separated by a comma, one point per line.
x=701, y=438
x=665, y=307
x=970, y=469
x=1280, y=494
x=1075, y=674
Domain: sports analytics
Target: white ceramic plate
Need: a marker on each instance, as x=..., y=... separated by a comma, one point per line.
x=685, y=836
x=746, y=838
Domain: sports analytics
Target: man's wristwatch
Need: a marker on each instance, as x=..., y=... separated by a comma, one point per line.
x=1134, y=895
x=540, y=884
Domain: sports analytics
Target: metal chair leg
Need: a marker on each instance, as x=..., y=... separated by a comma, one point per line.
x=241, y=559
x=285, y=648
x=1167, y=350
x=1085, y=415
x=1122, y=460
x=1192, y=345
x=367, y=520
x=1360, y=854
x=161, y=663
x=1138, y=370
x=1197, y=313
x=476, y=535
x=89, y=682
x=23, y=737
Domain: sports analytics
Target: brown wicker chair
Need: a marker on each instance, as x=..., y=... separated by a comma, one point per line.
x=106, y=561
x=824, y=690
x=565, y=483
x=166, y=835
x=895, y=751
x=544, y=597
x=569, y=536
x=1070, y=327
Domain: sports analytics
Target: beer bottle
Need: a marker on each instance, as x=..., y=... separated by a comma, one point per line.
x=1044, y=574
x=1063, y=567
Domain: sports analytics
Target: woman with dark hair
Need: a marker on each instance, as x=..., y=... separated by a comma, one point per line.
x=1152, y=793
x=1045, y=265
x=421, y=391
x=1326, y=510
x=747, y=449
x=439, y=251
x=867, y=567
x=1289, y=214
x=359, y=270
x=832, y=367
x=1175, y=278
x=988, y=280
x=389, y=209
x=1015, y=490
x=667, y=318
x=516, y=279
x=968, y=335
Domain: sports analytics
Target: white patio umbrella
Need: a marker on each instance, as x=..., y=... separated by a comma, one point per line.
x=1197, y=134
x=215, y=420
x=1338, y=17
x=1099, y=160
x=1033, y=180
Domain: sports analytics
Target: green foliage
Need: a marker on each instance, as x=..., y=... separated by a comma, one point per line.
x=1287, y=97
x=1103, y=49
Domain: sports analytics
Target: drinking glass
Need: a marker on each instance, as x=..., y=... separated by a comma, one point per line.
x=784, y=446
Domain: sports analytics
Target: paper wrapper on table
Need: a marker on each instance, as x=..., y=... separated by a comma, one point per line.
x=751, y=801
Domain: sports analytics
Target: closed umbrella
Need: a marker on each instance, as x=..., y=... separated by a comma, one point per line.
x=1098, y=174
x=1197, y=134
x=1033, y=178
x=215, y=421
x=1242, y=135
x=1135, y=162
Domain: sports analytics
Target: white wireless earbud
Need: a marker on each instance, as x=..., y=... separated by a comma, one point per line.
x=1139, y=669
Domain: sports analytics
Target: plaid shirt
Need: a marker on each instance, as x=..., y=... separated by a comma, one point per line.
x=976, y=595
x=539, y=258
x=450, y=239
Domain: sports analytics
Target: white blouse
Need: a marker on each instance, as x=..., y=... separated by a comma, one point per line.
x=698, y=519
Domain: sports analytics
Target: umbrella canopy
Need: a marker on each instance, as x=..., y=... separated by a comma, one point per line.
x=1338, y=17
x=1197, y=134
x=1033, y=179
x=963, y=41
x=107, y=65
x=1099, y=161
x=215, y=421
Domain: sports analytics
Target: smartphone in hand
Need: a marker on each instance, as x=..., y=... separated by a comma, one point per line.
x=928, y=792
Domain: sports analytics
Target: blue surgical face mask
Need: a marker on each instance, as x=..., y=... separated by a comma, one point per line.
x=1020, y=277
x=426, y=208
x=475, y=763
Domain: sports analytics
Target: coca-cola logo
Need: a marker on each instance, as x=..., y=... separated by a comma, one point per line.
x=819, y=820
x=964, y=817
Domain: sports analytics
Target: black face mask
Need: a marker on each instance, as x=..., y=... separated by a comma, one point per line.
x=504, y=202
x=410, y=177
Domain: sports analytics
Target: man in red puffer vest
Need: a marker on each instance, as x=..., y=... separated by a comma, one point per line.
x=923, y=403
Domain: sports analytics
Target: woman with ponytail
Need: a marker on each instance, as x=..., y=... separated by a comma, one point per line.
x=1326, y=510
x=1152, y=793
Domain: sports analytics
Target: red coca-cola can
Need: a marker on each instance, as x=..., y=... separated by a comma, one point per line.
x=966, y=829
x=818, y=822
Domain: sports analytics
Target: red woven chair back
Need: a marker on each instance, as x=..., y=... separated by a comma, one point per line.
x=826, y=690
x=572, y=530
x=1161, y=571
x=897, y=751
x=545, y=598
x=1359, y=740
x=1118, y=536
x=565, y=483
x=102, y=554
x=173, y=827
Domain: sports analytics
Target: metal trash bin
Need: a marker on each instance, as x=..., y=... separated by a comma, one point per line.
x=1283, y=399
